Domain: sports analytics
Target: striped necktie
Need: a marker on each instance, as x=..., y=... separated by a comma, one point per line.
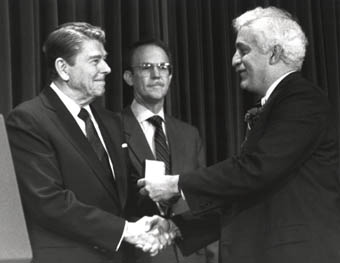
x=162, y=150
x=163, y=154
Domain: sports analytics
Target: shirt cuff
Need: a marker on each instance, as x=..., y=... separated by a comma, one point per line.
x=182, y=194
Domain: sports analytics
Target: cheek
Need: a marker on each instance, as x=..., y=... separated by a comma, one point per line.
x=246, y=63
x=139, y=82
x=168, y=82
x=166, y=88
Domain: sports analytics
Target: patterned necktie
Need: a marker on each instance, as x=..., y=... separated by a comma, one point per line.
x=162, y=150
x=163, y=154
x=252, y=116
x=95, y=142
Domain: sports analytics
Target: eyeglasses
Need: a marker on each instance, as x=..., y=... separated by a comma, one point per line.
x=145, y=69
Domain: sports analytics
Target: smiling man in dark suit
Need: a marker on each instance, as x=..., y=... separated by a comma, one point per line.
x=69, y=160
x=281, y=193
x=148, y=66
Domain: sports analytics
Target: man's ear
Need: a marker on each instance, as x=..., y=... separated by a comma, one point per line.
x=61, y=67
x=276, y=54
x=127, y=75
x=170, y=78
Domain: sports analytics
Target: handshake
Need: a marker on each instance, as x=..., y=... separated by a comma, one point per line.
x=151, y=234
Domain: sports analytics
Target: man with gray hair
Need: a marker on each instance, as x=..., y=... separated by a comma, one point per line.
x=280, y=196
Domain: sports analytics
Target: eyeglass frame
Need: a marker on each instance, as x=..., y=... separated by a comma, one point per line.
x=146, y=72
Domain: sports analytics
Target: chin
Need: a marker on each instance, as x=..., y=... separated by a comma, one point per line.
x=157, y=96
x=155, y=99
x=243, y=86
x=100, y=92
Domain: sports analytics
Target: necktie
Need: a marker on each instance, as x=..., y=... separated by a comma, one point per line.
x=162, y=150
x=251, y=116
x=95, y=142
x=163, y=154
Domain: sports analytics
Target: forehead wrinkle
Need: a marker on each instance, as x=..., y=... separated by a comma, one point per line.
x=144, y=53
x=96, y=53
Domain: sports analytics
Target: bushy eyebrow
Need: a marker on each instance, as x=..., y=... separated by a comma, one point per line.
x=241, y=45
x=98, y=56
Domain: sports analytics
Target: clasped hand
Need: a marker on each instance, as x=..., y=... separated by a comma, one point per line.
x=151, y=234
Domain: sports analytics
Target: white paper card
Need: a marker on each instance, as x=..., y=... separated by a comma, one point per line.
x=154, y=168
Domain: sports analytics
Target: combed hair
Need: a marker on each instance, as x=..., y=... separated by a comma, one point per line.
x=131, y=50
x=66, y=41
x=273, y=26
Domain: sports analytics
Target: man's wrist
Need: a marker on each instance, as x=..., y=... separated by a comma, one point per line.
x=174, y=181
x=173, y=229
x=127, y=230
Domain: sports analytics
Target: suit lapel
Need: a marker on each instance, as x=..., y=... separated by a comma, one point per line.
x=258, y=129
x=65, y=123
x=113, y=137
x=276, y=94
x=175, y=144
x=139, y=146
x=135, y=138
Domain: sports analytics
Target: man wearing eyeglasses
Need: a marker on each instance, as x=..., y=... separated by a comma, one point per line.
x=148, y=70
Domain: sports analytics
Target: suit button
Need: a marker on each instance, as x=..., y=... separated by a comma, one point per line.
x=95, y=247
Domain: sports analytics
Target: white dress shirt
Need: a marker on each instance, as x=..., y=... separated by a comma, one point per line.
x=74, y=109
x=142, y=115
x=272, y=88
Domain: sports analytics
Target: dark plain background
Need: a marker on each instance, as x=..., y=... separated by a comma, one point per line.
x=205, y=89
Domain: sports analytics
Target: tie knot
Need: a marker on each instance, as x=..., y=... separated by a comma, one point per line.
x=252, y=116
x=83, y=114
x=156, y=121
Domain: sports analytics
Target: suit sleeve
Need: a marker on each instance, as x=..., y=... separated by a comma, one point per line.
x=201, y=156
x=197, y=232
x=291, y=133
x=42, y=185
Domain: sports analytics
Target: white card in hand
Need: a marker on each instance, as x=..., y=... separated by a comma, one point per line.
x=154, y=168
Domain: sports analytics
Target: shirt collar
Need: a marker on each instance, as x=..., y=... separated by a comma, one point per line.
x=69, y=103
x=142, y=113
x=272, y=88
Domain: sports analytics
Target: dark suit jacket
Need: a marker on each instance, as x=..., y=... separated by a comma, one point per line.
x=74, y=213
x=187, y=153
x=283, y=187
x=185, y=145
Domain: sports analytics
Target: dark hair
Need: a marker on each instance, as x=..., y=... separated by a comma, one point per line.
x=145, y=42
x=65, y=42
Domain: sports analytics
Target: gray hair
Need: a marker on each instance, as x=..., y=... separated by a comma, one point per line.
x=275, y=27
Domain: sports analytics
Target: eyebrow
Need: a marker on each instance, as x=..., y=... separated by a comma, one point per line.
x=98, y=56
x=155, y=63
x=241, y=45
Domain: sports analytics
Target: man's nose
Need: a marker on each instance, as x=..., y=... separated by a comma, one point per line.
x=155, y=72
x=105, y=67
x=236, y=59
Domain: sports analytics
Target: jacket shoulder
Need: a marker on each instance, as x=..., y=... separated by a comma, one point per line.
x=180, y=124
